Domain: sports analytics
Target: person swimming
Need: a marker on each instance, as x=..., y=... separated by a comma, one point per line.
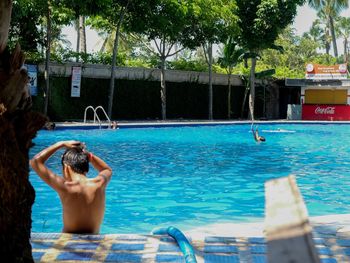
x=256, y=135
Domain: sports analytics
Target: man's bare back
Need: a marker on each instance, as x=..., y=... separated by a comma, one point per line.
x=83, y=199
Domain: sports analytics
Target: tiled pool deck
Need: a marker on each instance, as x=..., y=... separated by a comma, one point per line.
x=231, y=243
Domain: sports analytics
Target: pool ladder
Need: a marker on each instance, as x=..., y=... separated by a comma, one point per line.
x=96, y=115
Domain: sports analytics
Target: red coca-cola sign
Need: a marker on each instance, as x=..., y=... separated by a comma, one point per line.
x=326, y=112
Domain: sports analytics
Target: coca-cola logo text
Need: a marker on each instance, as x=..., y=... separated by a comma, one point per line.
x=326, y=110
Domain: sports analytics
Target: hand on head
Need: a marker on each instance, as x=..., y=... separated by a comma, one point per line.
x=72, y=144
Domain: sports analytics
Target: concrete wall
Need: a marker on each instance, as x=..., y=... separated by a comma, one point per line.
x=104, y=72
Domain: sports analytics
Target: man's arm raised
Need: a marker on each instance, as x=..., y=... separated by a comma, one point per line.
x=104, y=170
x=38, y=164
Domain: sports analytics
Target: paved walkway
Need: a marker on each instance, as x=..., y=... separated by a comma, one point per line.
x=231, y=243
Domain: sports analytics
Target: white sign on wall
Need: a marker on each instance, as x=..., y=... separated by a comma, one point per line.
x=76, y=82
x=33, y=79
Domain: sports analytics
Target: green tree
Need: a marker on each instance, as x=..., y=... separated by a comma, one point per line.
x=260, y=23
x=214, y=21
x=343, y=28
x=81, y=9
x=230, y=57
x=165, y=23
x=331, y=9
x=23, y=30
x=55, y=15
x=320, y=31
x=120, y=8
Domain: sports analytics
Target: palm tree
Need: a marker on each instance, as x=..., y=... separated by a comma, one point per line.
x=230, y=56
x=332, y=9
x=320, y=31
x=343, y=28
x=79, y=25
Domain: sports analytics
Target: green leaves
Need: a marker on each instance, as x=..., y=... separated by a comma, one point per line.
x=262, y=20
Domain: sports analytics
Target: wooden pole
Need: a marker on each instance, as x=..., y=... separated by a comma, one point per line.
x=287, y=227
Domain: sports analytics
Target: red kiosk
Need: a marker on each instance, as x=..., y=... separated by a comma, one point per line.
x=325, y=94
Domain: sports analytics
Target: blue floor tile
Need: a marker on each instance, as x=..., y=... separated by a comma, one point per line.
x=347, y=251
x=220, y=258
x=41, y=244
x=220, y=239
x=343, y=242
x=78, y=256
x=258, y=249
x=259, y=259
x=328, y=260
x=37, y=255
x=324, y=251
x=123, y=257
x=220, y=249
x=169, y=248
x=81, y=245
x=131, y=247
x=319, y=241
x=256, y=240
x=170, y=258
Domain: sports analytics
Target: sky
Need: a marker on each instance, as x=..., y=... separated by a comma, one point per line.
x=302, y=23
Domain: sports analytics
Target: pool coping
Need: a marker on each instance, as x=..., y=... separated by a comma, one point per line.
x=183, y=123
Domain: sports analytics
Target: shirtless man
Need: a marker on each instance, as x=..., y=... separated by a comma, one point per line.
x=83, y=199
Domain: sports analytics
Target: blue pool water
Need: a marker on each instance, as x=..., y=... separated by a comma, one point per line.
x=194, y=176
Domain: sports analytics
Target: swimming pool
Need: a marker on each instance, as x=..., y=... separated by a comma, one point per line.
x=195, y=176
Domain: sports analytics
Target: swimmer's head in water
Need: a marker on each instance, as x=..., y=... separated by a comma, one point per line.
x=261, y=138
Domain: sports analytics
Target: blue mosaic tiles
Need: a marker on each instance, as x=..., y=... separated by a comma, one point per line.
x=161, y=249
x=131, y=247
x=170, y=258
x=78, y=256
x=123, y=257
x=220, y=249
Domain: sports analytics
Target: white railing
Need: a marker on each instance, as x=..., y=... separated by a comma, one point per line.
x=96, y=115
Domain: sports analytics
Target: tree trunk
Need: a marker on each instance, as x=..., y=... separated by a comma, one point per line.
x=82, y=33
x=327, y=41
x=247, y=88
x=163, y=86
x=252, y=89
x=114, y=61
x=334, y=39
x=210, y=64
x=77, y=24
x=229, y=95
x=345, y=50
x=47, y=59
x=18, y=126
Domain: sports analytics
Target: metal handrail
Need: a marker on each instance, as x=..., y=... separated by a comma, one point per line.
x=95, y=114
x=89, y=107
x=103, y=110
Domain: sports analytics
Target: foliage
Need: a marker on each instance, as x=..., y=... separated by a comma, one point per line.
x=262, y=20
x=162, y=19
x=189, y=65
x=231, y=55
x=213, y=20
x=331, y=10
x=24, y=21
